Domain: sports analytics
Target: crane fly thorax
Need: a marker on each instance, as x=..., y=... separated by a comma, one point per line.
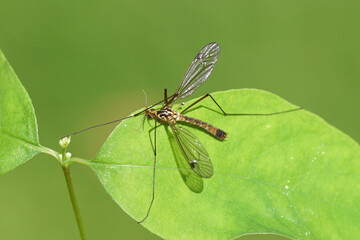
x=165, y=114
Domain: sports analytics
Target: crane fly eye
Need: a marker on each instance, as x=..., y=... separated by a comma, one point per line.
x=152, y=110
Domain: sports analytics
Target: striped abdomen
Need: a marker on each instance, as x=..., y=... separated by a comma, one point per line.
x=220, y=134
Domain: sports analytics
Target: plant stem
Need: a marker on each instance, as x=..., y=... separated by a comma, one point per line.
x=50, y=152
x=66, y=170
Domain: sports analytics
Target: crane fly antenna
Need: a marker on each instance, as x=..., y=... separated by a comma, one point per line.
x=145, y=98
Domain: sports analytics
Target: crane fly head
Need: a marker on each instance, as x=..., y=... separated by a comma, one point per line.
x=151, y=113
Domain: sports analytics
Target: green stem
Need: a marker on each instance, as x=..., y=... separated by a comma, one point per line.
x=66, y=170
x=78, y=160
x=50, y=152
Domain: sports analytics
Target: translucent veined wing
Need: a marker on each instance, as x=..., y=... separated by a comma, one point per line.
x=193, y=152
x=193, y=181
x=199, y=70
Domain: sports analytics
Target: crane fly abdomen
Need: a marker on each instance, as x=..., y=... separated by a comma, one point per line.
x=218, y=133
x=168, y=115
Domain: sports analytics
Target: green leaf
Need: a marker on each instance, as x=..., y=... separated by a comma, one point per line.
x=19, y=139
x=291, y=174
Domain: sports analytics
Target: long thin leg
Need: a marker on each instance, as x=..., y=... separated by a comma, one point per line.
x=153, y=192
x=237, y=114
x=146, y=104
x=117, y=120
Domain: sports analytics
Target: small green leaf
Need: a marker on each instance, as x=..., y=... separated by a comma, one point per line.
x=291, y=174
x=19, y=139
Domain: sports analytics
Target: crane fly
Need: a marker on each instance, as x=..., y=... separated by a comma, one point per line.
x=192, y=151
x=192, y=158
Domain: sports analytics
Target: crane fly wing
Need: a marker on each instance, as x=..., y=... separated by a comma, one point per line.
x=199, y=70
x=193, y=181
x=193, y=152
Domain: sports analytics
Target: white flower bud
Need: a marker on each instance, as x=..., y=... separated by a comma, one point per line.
x=64, y=142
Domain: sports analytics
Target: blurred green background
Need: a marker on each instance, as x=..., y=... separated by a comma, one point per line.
x=86, y=62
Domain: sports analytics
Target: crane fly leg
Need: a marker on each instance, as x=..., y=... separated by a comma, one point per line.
x=236, y=114
x=153, y=190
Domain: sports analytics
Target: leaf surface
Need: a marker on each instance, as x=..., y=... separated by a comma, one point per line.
x=19, y=139
x=291, y=174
